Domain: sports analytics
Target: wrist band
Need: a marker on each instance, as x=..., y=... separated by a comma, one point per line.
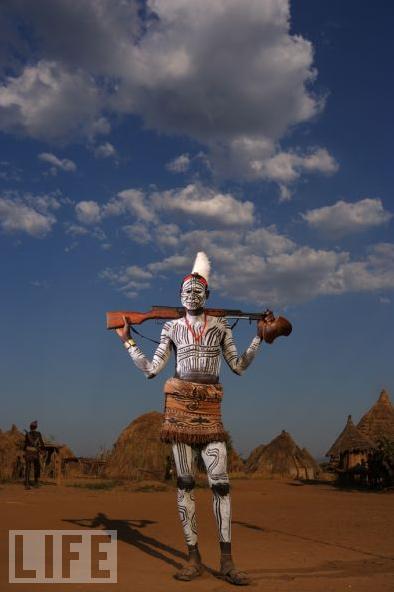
x=129, y=343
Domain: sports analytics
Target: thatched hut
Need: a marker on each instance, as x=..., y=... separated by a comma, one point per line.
x=282, y=458
x=252, y=462
x=351, y=447
x=54, y=460
x=378, y=422
x=11, y=454
x=138, y=453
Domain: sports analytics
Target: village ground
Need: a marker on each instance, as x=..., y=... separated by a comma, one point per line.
x=289, y=537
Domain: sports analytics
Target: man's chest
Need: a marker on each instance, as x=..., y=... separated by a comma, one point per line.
x=197, y=337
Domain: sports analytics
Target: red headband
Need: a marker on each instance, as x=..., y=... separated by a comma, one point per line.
x=200, y=278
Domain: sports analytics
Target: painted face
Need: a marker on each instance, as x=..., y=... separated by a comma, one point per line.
x=193, y=294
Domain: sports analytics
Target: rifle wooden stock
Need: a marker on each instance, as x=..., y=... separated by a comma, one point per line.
x=115, y=318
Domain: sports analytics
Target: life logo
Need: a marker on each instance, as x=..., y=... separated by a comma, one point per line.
x=62, y=556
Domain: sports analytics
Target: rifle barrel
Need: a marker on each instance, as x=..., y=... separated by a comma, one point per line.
x=253, y=316
x=228, y=312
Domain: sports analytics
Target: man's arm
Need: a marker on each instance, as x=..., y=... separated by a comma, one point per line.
x=238, y=364
x=160, y=357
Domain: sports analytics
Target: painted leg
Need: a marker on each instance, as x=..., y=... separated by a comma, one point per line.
x=214, y=456
x=184, y=456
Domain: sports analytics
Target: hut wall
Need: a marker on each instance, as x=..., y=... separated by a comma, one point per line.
x=351, y=459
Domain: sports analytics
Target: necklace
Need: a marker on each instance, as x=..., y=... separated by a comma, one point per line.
x=197, y=336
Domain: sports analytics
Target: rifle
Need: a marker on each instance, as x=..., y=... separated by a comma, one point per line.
x=278, y=326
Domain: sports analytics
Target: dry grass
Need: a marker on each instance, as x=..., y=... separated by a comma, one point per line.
x=11, y=454
x=138, y=453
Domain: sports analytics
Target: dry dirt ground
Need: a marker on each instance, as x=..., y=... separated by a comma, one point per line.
x=288, y=537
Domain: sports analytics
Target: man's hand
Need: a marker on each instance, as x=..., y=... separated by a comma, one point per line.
x=269, y=328
x=263, y=323
x=124, y=332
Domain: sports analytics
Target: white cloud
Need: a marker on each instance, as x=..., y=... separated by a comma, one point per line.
x=227, y=73
x=375, y=272
x=172, y=263
x=167, y=235
x=132, y=201
x=28, y=215
x=102, y=31
x=60, y=163
x=286, y=167
x=44, y=203
x=319, y=160
x=180, y=164
x=88, y=212
x=207, y=204
x=76, y=230
x=196, y=202
x=105, y=150
x=224, y=68
x=99, y=127
x=136, y=272
x=46, y=101
x=285, y=194
x=254, y=159
x=138, y=232
x=344, y=218
x=269, y=241
x=128, y=280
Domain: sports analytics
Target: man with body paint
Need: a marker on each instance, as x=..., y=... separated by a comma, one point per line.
x=192, y=415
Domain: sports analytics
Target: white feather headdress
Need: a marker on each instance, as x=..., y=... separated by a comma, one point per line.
x=202, y=265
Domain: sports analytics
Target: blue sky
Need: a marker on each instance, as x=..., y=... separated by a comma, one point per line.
x=133, y=135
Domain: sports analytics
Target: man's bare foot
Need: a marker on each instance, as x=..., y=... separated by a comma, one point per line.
x=194, y=568
x=231, y=574
x=236, y=577
x=189, y=572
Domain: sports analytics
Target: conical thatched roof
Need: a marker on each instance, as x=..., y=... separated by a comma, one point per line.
x=350, y=439
x=138, y=452
x=309, y=457
x=252, y=462
x=378, y=422
x=282, y=458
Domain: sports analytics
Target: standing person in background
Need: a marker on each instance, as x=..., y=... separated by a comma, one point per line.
x=32, y=447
